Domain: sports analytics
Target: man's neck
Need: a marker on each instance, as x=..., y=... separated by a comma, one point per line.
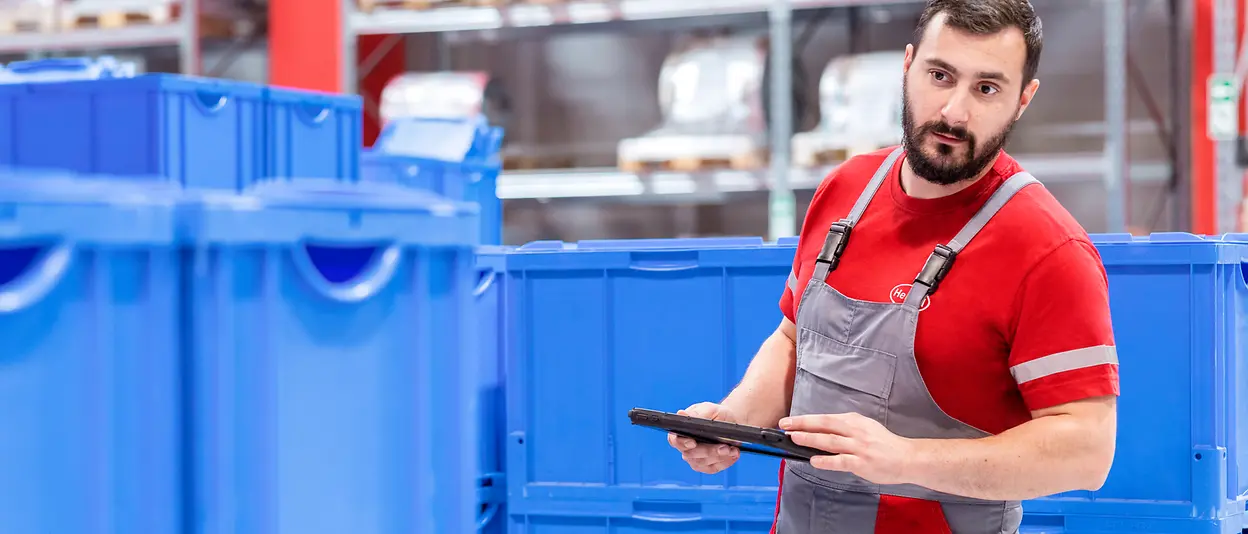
x=916, y=187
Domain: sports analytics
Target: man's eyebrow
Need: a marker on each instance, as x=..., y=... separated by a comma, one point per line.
x=983, y=75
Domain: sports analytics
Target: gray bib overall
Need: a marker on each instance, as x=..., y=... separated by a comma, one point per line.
x=858, y=356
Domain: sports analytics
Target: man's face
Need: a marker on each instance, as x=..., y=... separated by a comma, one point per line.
x=962, y=94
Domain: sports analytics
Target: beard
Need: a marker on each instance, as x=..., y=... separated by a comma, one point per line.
x=946, y=167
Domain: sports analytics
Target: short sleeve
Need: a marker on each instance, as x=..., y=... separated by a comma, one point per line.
x=788, y=297
x=1063, y=344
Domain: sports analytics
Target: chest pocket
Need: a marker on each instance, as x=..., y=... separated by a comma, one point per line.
x=834, y=377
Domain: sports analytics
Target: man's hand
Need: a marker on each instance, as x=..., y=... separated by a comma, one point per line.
x=1063, y=448
x=703, y=458
x=861, y=445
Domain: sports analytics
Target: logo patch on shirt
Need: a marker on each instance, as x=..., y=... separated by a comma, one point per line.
x=898, y=296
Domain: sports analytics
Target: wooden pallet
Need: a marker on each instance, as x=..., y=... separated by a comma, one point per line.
x=24, y=18
x=531, y=163
x=102, y=16
x=370, y=5
x=833, y=156
x=741, y=162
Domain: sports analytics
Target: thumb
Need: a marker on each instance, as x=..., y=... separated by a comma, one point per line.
x=704, y=410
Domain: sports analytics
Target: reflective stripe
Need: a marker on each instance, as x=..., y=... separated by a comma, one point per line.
x=793, y=282
x=1064, y=361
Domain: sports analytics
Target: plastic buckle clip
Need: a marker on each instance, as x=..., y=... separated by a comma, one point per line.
x=834, y=245
x=937, y=266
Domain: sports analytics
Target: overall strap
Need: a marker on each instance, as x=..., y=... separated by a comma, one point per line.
x=838, y=235
x=941, y=260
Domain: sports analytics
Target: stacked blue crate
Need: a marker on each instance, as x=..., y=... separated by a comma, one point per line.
x=600, y=327
x=312, y=135
x=198, y=133
x=96, y=118
x=1180, y=308
x=330, y=342
x=456, y=158
x=489, y=308
x=90, y=385
x=599, y=318
x=324, y=325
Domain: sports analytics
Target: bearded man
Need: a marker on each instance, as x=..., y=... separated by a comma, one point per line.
x=946, y=334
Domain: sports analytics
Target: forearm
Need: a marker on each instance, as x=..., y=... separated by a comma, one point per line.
x=1047, y=455
x=766, y=391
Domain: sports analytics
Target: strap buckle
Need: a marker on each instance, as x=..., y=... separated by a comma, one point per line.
x=834, y=245
x=937, y=266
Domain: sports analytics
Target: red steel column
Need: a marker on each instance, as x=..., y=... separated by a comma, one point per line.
x=1204, y=181
x=305, y=44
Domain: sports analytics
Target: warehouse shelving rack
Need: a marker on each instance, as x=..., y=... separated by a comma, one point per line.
x=781, y=179
x=182, y=33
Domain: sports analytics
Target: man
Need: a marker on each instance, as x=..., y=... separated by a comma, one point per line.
x=947, y=334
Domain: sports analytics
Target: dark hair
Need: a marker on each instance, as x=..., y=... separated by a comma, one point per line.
x=986, y=17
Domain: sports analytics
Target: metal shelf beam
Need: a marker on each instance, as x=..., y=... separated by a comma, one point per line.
x=182, y=33
x=609, y=183
x=387, y=21
x=128, y=37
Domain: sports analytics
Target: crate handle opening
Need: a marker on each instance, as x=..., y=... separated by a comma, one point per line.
x=485, y=279
x=347, y=273
x=666, y=511
x=488, y=512
x=210, y=101
x=28, y=272
x=313, y=113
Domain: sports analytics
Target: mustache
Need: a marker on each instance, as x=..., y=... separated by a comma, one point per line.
x=943, y=128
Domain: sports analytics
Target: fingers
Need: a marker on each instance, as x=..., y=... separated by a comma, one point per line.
x=842, y=424
x=681, y=443
x=711, y=459
x=704, y=410
x=825, y=442
x=842, y=462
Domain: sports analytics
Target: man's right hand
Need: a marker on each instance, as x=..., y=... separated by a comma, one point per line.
x=703, y=458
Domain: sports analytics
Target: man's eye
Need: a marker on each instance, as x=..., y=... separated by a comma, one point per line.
x=987, y=89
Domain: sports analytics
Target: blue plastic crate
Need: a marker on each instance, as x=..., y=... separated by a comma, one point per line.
x=456, y=158
x=66, y=68
x=1180, y=309
x=196, y=132
x=334, y=369
x=591, y=318
x=313, y=135
x=588, y=325
x=90, y=396
x=489, y=292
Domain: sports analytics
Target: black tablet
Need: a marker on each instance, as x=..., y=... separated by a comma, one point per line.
x=770, y=442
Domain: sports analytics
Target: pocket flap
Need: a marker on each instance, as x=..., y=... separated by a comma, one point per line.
x=860, y=369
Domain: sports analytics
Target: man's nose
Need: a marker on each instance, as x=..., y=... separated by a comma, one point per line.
x=956, y=110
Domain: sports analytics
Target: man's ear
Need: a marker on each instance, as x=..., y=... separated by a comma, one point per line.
x=1029, y=92
x=905, y=66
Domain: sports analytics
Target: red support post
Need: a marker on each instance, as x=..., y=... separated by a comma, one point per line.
x=1203, y=175
x=305, y=44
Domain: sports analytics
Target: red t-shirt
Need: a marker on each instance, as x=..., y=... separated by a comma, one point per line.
x=1029, y=285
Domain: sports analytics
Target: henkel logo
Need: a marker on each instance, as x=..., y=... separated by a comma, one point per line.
x=898, y=296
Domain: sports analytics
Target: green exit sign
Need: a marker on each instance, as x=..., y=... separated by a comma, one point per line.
x=1223, y=108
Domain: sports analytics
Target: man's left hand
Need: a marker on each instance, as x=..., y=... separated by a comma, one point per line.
x=862, y=445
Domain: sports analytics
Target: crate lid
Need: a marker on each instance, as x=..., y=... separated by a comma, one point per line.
x=321, y=209
x=652, y=254
x=210, y=91
x=450, y=140
x=1171, y=248
x=49, y=206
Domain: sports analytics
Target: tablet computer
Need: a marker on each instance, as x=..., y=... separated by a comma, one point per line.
x=750, y=439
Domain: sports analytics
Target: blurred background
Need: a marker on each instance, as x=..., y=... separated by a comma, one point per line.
x=665, y=118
